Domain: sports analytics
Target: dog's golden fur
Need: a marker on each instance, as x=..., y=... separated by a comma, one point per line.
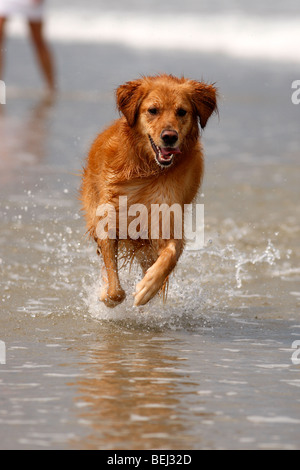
x=151, y=155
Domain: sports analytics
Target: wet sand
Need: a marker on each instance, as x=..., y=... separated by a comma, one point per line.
x=213, y=367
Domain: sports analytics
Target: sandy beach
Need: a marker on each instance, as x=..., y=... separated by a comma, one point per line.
x=213, y=368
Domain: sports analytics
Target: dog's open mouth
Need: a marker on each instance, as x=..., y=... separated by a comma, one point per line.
x=164, y=156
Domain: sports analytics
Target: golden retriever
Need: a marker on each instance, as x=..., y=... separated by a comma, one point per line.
x=151, y=156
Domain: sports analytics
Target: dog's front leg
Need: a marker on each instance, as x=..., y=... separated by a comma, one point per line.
x=168, y=252
x=112, y=293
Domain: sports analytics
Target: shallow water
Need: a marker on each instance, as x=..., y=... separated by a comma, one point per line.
x=116, y=385
x=211, y=368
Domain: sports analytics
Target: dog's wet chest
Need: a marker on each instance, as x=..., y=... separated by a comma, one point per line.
x=158, y=191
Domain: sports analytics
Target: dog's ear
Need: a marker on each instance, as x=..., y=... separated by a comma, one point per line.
x=204, y=99
x=129, y=98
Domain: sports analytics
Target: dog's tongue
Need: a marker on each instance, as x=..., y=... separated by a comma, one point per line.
x=167, y=152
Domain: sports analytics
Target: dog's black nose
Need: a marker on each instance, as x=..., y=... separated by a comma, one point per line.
x=169, y=137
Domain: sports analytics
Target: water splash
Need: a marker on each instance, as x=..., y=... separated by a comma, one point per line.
x=239, y=260
x=182, y=309
x=194, y=292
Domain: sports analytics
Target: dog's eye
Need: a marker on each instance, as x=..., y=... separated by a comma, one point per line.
x=181, y=112
x=153, y=111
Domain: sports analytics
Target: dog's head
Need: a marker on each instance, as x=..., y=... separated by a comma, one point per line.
x=166, y=110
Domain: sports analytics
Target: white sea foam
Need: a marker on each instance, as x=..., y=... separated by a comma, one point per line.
x=234, y=34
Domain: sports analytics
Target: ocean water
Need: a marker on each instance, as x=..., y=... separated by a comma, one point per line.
x=263, y=31
x=216, y=366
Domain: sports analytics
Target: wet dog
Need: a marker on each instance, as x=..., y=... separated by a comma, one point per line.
x=151, y=156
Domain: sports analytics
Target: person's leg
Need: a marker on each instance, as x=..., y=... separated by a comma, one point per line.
x=43, y=52
x=2, y=39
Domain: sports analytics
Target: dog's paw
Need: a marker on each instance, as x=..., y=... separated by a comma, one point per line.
x=147, y=288
x=112, y=299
